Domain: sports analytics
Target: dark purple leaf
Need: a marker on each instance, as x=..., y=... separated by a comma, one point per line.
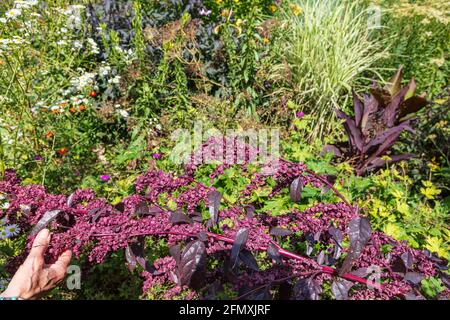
x=175, y=252
x=353, y=132
x=359, y=232
x=337, y=236
x=361, y=272
x=274, y=253
x=285, y=291
x=296, y=190
x=249, y=211
x=358, y=107
x=202, y=236
x=321, y=257
x=178, y=217
x=412, y=296
x=340, y=289
x=307, y=289
x=332, y=149
x=48, y=217
x=280, y=232
x=391, y=111
x=238, y=245
x=142, y=209
x=331, y=180
x=378, y=162
x=397, y=265
x=131, y=258
x=214, y=203
x=262, y=294
x=414, y=277
x=120, y=207
x=391, y=133
x=412, y=105
x=192, y=260
x=70, y=200
x=407, y=259
x=248, y=259
x=445, y=279
x=310, y=242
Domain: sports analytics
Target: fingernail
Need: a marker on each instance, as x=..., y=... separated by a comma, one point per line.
x=45, y=233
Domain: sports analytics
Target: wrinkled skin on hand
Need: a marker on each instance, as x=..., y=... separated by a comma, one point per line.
x=34, y=278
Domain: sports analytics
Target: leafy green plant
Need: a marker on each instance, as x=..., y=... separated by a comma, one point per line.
x=416, y=33
x=379, y=120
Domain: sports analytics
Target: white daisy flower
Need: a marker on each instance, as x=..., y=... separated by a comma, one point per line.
x=13, y=13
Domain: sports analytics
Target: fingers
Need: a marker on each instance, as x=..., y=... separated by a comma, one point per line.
x=59, y=268
x=40, y=244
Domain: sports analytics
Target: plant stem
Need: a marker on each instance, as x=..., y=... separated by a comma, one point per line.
x=283, y=252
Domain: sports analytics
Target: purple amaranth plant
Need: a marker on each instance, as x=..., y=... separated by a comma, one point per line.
x=230, y=233
x=379, y=120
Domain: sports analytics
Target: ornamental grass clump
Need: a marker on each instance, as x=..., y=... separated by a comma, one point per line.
x=326, y=251
x=326, y=50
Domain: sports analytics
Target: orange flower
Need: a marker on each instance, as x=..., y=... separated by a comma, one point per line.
x=82, y=107
x=63, y=151
x=63, y=104
x=49, y=135
x=93, y=94
x=56, y=111
x=2, y=62
x=72, y=110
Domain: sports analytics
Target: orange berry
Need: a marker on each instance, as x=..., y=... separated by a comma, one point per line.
x=63, y=151
x=72, y=110
x=82, y=107
x=49, y=135
x=93, y=94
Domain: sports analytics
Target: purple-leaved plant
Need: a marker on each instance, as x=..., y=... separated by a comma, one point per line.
x=232, y=234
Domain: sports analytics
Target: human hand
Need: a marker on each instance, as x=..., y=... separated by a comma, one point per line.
x=34, y=278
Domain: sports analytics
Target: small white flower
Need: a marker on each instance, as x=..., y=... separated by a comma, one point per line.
x=61, y=42
x=63, y=30
x=3, y=20
x=123, y=113
x=77, y=44
x=115, y=80
x=13, y=13
x=104, y=71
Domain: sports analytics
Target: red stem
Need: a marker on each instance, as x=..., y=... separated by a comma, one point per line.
x=283, y=252
x=329, y=185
